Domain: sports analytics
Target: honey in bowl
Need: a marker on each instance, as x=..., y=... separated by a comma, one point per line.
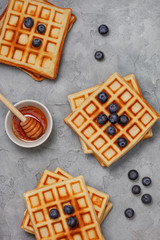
x=28, y=111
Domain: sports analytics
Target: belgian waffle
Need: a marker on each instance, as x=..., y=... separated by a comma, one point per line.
x=99, y=199
x=77, y=99
x=35, y=76
x=141, y=118
x=16, y=41
x=74, y=191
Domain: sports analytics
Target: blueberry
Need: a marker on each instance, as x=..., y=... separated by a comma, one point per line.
x=36, y=42
x=146, y=181
x=111, y=130
x=72, y=222
x=122, y=142
x=102, y=97
x=99, y=55
x=54, y=213
x=28, y=22
x=113, y=118
x=68, y=209
x=123, y=120
x=129, y=212
x=136, y=189
x=133, y=175
x=146, y=198
x=102, y=119
x=41, y=28
x=103, y=29
x=113, y=108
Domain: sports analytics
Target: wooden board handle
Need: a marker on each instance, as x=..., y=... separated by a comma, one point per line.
x=12, y=108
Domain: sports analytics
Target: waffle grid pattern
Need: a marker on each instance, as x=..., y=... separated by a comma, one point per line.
x=16, y=40
x=99, y=199
x=74, y=192
x=77, y=99
x=141, y=116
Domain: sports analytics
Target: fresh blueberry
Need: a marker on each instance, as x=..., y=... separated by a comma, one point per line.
x=28, y=22
x=146, y=198
x=103, y=29
x=68, y=209
x=129, y=212
x=41, y=28
x=113, y=108
x=72, y=222
x=133, y=174
x=122, y=142
x=36, y=42
x=102, y=97
x=54, y=213
x=146, y=181
x=99, y=55
x=113, y=118
x=123, y=120
x=111, y=130
x=136, y=189
x=102, y=119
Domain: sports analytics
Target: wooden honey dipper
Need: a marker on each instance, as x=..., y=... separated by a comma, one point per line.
x=32, y=128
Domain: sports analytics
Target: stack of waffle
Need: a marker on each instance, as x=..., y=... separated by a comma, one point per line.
x=125, y=92
x=16, y=39
x=56, y=190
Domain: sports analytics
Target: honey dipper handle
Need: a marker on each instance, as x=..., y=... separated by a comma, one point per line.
x=12, y=108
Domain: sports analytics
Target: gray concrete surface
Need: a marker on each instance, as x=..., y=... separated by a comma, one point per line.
x=132, y=46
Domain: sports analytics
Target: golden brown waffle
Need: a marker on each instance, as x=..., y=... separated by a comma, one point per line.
x=74, y=192
x=83, y=120
x=35, y=76
x=77, y=99
x=99, y=199
x=16, y=41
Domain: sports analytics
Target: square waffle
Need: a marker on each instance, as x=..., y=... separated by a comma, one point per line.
x=35, y=76
x=73, y=191
x=141, y=118
x=99, y=199
x=16, y=41
x=76, y=99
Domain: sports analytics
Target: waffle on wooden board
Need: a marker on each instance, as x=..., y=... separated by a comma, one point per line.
x=16, y=40
x=99, y=199
x=76, y=99
x=84, y=120
x=73, y=191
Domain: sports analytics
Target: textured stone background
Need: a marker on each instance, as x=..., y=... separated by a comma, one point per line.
x=132, y=46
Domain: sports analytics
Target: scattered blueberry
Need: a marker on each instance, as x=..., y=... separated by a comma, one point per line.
x=72, y=222
x=41, y=28
x=36, y=42
x=136, y=189
x=103, y=29
x=129, y=212
x=99, y=55
x=122, y=142
x=146, y=198
x=28, y=22
x=54, y=213
x=102, y=97
x=113, y=118
x=113, y=108
x=123, y=120
x=68, y=209
x=133, y=174
x=146, y=181
x=111, y=130
x=102, y=119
